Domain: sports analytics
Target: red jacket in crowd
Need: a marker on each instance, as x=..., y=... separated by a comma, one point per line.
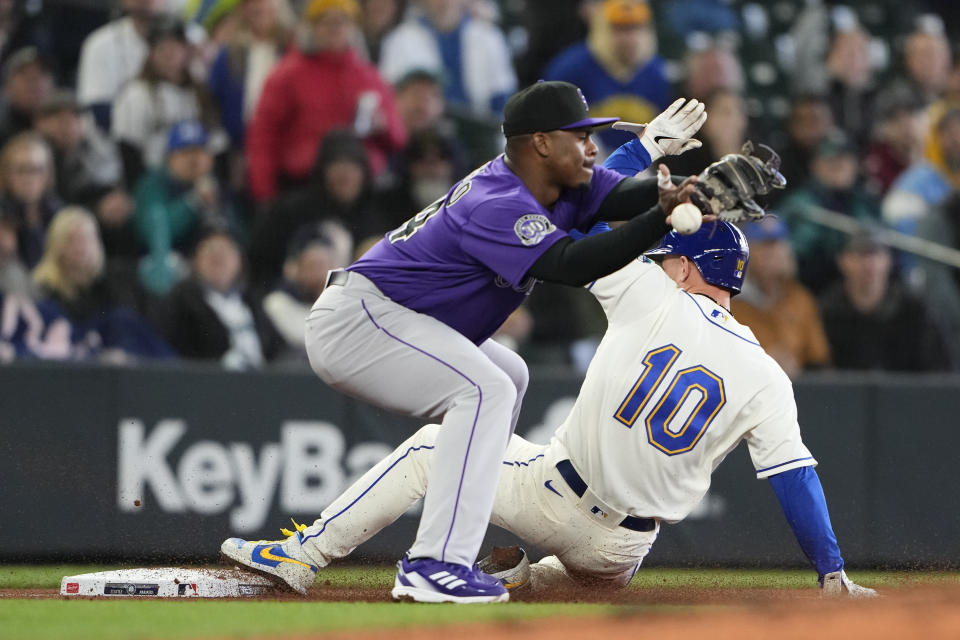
x=304, y=98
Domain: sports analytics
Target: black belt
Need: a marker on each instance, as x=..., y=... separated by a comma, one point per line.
x=338, y=277
x=579, y=487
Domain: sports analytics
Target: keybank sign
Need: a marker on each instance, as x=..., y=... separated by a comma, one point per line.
x=310, y=465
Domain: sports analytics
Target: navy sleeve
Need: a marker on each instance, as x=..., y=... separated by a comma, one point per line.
x=805, y=507
x=599, y=227
x=629, y=159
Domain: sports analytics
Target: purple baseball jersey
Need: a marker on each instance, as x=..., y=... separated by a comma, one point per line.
x=464, y=259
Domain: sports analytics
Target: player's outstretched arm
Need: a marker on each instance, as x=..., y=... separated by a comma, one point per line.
x=579, y=262
x=805, y=507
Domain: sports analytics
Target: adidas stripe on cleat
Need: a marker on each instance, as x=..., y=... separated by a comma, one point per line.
x=429, y=580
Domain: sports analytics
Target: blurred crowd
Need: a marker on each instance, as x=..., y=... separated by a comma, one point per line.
x=177, y=177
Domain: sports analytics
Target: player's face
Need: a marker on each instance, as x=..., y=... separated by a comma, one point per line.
x=572, y=156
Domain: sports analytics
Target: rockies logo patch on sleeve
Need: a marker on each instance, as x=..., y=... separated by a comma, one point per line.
x=532, y=228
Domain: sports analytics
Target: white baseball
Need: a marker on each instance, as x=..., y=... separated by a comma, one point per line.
x=686, y=218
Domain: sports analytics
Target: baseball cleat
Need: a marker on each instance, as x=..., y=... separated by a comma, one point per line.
x=429, y=580
x=509, y=565
x=837, y=584
x=283, y=561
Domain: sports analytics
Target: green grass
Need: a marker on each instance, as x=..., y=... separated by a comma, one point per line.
x=108, y=619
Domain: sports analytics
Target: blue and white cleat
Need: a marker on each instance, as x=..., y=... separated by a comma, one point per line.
x=429, y=580
x=283, y=561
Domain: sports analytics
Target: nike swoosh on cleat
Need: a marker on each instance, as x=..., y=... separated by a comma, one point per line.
x=657, y=139
x=267, y=555
x=548, y=486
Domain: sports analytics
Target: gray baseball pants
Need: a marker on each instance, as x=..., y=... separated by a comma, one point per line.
x=362, y=343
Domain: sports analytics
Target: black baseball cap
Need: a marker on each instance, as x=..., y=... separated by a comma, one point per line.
x=548, y=106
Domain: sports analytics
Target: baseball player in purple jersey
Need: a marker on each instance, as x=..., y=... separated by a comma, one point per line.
x=407, y=326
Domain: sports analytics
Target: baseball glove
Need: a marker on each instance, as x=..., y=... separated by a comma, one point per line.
x=729, y=186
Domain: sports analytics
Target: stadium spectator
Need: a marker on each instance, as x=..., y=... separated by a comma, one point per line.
x=27, y=191
x=551, y=27
x=952, y=91
x=88, y=169
x=850, y=84
x=724, y=132
x=778, y=309
x=872, y=320
x=569, y=338
x=260, y=34
x=35, y=24
x=928, y=183
x=114, y=54
x=711, y=66
x=99, y=304
x=941, y=282
x=809, y=122
x=216, y=20
x=420, y=100
x=310, y=257
x=471, y=54
x=926, y=62
x=516, y=330
x=834, y=185
x=685, y=17
x=426, y=169
x=174, y=203
x=340, y=190
x=209, y=315
x=27, y=83
x=14, y=276
x=297, y=108
x=617, y=67
x=377, y=19
x=162, y=94
x=898, y=138
x=32, y=331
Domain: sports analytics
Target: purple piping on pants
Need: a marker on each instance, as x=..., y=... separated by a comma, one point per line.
x=473, y=427
x=365, y=491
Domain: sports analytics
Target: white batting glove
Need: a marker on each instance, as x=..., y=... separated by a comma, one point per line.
x=838, y=585
x=670, y=133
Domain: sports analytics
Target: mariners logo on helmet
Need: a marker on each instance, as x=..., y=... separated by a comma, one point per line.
x=532, y=228
x=719, y=250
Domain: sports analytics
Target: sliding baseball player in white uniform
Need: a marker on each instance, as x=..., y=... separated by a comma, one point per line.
x=676, y=384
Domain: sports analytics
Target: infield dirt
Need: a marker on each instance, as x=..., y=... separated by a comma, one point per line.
x=931, y=613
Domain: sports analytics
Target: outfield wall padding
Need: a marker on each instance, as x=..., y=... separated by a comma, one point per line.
x=162, y=464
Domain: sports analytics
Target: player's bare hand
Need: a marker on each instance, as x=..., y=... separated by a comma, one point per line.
x=672, y=194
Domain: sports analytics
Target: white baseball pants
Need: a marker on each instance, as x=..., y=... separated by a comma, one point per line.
x=532, y=501
x=369, y=347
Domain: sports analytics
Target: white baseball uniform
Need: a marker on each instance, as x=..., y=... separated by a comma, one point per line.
x=675, y=385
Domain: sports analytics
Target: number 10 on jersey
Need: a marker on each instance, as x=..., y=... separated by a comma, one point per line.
x=693, y=380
